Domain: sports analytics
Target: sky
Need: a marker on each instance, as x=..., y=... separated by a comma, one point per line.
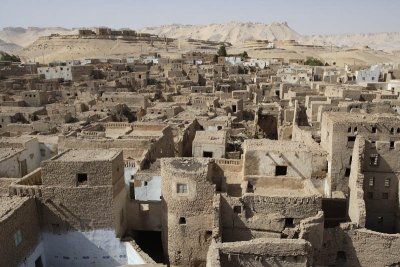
x=304, y=16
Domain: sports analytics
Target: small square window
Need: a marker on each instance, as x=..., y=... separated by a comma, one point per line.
x=208, y=235
x=207, y=154
x=182, y=220
x=371, y=181
x=391, y=144
x=280, y=170
x=385, y=195
x=181, y=188
x=387, y=182
x=144, y=207
x=145, y=183
x=347, y=172
x=374, y=129
x=81, y=179
x=374, y=160
x=237, y=209
x=351, y=138
x=289, y=222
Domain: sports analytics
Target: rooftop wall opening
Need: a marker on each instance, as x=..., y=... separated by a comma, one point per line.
x=280, y=170
x=81, y=179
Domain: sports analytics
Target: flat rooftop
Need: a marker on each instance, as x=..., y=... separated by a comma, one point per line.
x=12, y=109
x=278, y=146
x=48, y=139
x=223, y=118
x=210, y=137
x=192, y=165
x=284, y=187
x=7, y=152
x=9, y=204
x=87, y=155
x=144, y=133
x=16, y=140
x=345, y=117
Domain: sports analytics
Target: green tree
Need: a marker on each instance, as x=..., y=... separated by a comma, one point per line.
x=7, y=57
x=313, y=62
x=222, y=51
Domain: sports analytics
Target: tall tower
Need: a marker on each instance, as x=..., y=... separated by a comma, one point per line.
x=187, y=198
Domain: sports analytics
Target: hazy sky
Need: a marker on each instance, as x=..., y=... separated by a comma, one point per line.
x=304, y=16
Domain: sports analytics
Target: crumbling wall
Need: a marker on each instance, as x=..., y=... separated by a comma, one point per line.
x=227, y=175
x=312, y=230
x=185, y=141
x=348, y=246
x=252, y=216
x=290, y=207
x=261, y=252
x=302, y=135
x=240, y=223
x=356, y=208
x=368, y=248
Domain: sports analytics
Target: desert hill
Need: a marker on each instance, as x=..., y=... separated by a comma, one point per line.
x=9, y=47
x=352, y=48
x=26, y=36
x=237, y=32
x=232, y=32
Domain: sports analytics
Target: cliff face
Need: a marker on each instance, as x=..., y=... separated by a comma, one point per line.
x=232, y=32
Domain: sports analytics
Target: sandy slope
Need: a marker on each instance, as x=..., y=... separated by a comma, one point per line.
x=9, y=47
x=26, y=36
x=386, y=41
x=63, y=48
